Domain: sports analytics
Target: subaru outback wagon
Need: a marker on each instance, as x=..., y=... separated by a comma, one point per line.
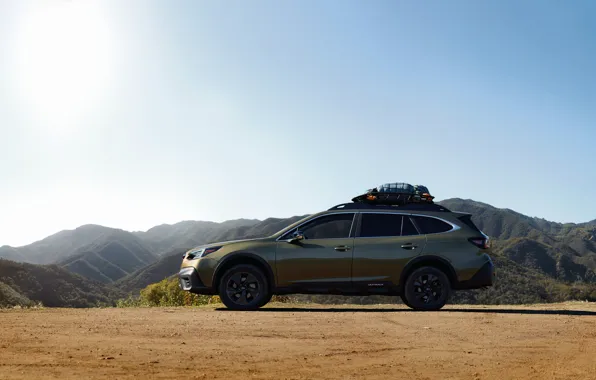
x=420, y=252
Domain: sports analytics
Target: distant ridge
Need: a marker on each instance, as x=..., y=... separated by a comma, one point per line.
x=557, y=255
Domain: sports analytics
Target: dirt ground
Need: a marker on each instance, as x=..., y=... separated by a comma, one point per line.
x=301, y=342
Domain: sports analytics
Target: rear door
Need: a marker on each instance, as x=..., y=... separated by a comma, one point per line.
x=384, y=243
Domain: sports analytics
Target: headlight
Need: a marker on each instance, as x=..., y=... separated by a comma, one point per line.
x=210, y=250
x=201, y=252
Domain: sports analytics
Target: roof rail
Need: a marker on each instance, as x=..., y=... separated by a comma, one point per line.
x=408, y=206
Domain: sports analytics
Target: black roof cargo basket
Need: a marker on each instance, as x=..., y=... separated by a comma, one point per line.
x=396, y=193
x=403, y=207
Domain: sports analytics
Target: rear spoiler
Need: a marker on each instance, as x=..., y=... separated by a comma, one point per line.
x=466, y=218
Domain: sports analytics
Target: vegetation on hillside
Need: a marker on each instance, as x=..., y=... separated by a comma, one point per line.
x=166, y=266
x=51, y=286
x=110, y=257
x=10, y=297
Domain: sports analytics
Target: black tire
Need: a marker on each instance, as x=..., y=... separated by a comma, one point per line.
x=426, y=288
x=266, y=300
x=244, y=287
x=405, y=301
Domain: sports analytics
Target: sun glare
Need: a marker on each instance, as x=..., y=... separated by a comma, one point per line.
x=64, y=58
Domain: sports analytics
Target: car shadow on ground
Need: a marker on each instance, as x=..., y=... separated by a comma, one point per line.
x=394, y=310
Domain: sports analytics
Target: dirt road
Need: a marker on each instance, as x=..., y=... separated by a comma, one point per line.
x=305, y=342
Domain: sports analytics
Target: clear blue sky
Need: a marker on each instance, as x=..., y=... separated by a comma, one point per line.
x=136, y=113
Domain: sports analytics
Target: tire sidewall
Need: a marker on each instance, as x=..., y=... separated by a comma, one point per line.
x=263, y=285
x=410, y=296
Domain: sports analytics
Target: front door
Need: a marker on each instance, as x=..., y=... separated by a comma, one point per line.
x=383, y=245
x=323, y=259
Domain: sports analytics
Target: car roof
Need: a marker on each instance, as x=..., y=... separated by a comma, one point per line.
x=419, y=207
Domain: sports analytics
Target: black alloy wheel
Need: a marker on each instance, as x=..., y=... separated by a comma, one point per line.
x=244, y=287
x=427, y=288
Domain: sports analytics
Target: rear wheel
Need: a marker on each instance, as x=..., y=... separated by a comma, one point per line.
x=427, y=288
x=405, y=301
x=244, y=287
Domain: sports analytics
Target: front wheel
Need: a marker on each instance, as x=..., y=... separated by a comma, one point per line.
x=244, y=287
x=427, y=288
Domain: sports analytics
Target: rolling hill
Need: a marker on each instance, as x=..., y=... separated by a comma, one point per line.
x=165, y=266
x=10, y=297
x=167, y=237
x=110, y=257
x=55, y=247
x=106, y=254
x=53, y=286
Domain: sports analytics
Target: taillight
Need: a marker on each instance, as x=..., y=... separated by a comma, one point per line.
x=480, y=242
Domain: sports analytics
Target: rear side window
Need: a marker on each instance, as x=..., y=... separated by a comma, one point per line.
x=378, y=225
x=382, y=225
x=407, y=228
x=428, y=225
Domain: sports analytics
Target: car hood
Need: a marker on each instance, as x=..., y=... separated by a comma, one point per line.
x=224, y=243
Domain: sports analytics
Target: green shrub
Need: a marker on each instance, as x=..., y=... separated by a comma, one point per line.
x=166, y=293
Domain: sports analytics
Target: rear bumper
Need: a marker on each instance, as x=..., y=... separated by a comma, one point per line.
x=483, y=278
x=189, y=280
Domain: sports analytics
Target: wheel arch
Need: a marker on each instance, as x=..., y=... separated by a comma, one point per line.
x=431, y=261
x=243, y=258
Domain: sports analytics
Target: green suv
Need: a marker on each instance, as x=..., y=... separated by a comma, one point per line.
x=420, y=252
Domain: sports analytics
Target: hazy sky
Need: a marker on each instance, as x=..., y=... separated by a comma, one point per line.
x=136, y=113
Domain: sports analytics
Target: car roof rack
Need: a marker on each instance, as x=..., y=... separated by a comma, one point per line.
x=405, y=207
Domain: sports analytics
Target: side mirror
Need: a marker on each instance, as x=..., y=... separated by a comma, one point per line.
x=296, y=237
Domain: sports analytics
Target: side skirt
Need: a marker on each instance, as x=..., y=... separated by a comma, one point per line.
x=342, y=288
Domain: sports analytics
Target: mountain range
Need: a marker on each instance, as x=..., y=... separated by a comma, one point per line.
x=528, y=251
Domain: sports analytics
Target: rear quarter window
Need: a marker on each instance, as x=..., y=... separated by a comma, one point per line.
x=428, y=225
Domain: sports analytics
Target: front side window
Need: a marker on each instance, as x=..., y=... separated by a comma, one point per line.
x=428, y=225
x=335, y=226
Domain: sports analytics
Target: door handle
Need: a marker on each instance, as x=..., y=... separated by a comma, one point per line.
x=342, y=248
x=409, y=246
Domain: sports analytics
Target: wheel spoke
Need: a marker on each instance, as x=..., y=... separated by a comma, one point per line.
x=427, y=288
x=243, y=288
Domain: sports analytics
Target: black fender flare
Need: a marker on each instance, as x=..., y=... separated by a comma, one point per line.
x=430, y=259
x=217, y=273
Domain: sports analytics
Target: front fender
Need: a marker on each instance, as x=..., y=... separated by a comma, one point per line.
x=243, y=257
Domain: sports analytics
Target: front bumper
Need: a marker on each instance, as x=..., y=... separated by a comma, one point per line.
x=189, y=280
x=483, y=278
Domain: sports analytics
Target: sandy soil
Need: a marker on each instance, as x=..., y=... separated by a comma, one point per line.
x=305, y=342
